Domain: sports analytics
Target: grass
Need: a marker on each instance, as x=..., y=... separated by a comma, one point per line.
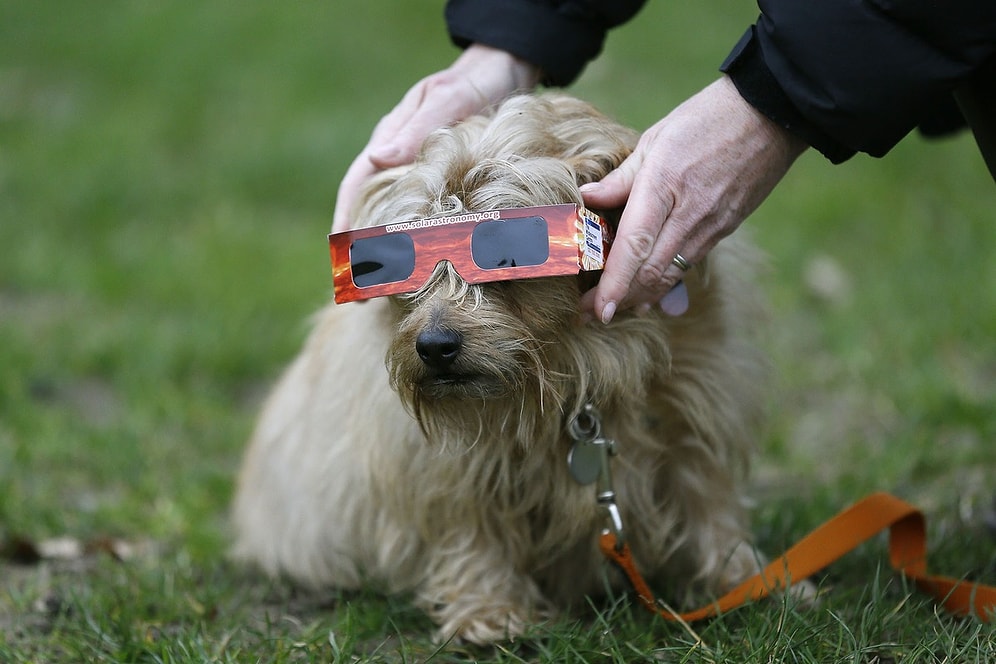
x=167, y=173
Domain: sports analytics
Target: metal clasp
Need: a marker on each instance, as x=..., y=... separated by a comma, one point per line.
x=589, y=461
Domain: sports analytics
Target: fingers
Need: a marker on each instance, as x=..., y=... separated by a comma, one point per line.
x=635, y=240
x=395, y=142
x=434, y=102
x=656, y=281
x=675, y=301
x=613, y=190
x=480, y=76
x=439, y=101
x=398, y=136
x=657, y=241
x=691, y=180
x=391, y=144
x=629, y=265
x=639, y=269
x=349, y=189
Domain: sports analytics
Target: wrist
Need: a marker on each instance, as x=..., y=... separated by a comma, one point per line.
x=506, y=72
x=777, y=137
x=749, y=72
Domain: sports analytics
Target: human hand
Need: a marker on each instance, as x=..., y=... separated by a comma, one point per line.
x=480, y=77
x=692, y=179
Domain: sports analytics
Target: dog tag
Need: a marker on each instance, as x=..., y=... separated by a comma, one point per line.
x=585, y=461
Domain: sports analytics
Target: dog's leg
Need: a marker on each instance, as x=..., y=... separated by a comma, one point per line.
x=474, y=594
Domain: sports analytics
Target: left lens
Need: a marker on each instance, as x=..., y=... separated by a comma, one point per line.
x=510, y=243
x=382, y=259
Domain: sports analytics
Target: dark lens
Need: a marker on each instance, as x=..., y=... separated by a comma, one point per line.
x=382, y=259
x=510, y=243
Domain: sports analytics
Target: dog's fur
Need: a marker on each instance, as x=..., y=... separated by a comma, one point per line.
x=453, y=485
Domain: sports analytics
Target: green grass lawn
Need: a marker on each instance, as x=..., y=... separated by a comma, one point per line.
x=167, y=175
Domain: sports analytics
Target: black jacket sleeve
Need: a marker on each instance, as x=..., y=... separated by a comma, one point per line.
x=858, y=75
x=560, y=37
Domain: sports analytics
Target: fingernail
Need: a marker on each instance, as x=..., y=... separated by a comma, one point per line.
x=589, y=187
x=608, y=311
x=675, y=302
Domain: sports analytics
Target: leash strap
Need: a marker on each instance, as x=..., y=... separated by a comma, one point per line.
x=824, y=545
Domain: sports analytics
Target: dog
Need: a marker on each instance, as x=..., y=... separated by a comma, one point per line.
x=374, y=462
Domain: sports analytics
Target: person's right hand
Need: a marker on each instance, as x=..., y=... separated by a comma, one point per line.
x=480, y=77
x=693, y=178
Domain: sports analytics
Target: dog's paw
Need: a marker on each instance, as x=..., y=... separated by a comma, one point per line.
x=488, y=626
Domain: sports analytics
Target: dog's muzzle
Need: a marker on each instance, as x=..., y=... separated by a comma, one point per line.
x=438, y=348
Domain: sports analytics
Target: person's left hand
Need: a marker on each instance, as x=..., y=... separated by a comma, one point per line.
x=480, y=76
x=692, y=179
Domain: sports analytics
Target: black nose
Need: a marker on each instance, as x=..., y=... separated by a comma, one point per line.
x=438, y=347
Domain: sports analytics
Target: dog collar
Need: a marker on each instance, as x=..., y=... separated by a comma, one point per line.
x=589, y=461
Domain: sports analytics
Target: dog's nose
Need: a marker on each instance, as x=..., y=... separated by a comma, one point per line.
x=438, y=347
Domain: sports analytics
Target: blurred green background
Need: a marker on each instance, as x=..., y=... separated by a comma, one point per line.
x=167, y=175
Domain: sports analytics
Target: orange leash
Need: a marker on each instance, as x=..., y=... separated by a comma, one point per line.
x=827, y=543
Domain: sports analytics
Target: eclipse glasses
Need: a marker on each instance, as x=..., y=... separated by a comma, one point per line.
x=496, y=245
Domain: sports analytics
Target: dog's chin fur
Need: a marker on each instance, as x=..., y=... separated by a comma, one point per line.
x=452, y=483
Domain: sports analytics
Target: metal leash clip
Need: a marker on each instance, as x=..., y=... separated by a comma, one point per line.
x=589, y=461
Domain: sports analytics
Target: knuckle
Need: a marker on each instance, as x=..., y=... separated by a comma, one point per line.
x=640, y=242
x=440, y=81
x=649, y=276
x=449, y=86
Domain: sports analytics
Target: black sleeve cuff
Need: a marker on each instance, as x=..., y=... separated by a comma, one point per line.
x=757, y=85
x=558, y=41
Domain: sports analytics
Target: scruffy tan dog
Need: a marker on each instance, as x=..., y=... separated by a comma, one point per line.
x=448, y=477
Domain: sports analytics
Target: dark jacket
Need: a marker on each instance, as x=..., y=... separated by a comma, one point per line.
x=558, y=37
x=846, y=75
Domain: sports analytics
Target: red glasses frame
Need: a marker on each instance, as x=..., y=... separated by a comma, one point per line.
x=578, y=240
